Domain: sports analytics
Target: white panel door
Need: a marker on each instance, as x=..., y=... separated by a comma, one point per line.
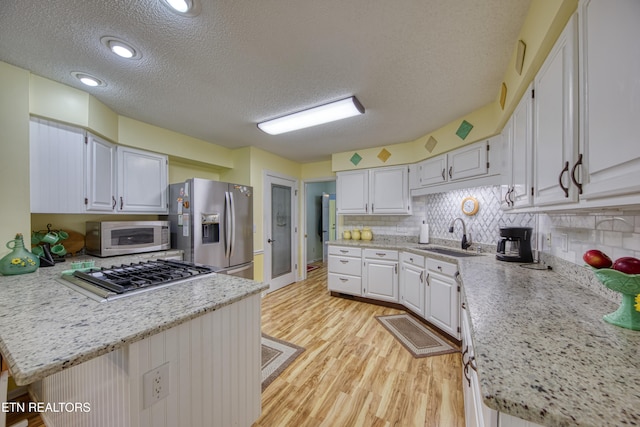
x=555, y=135
x=352, y=192
x=610, y=97
x=142, y=181
x=101, y=175
x=389, y=191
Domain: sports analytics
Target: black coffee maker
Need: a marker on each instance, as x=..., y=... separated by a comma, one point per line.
x=515, y=245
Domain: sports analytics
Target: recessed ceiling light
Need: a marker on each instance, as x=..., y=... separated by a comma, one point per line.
x=120, y=47
x=88, y=79
x=183, y=7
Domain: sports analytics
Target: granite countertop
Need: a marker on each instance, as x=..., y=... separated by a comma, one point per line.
x=46, y=326
x=543, y=352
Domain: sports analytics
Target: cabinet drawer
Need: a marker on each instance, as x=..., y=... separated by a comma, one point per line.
x=442, y=267
x=413, y=259
x=344, y=283
x=380, y=254
x=345, y=265
x=345, y=250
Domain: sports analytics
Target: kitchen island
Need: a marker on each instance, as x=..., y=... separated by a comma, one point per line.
x=542, y=351
x=69, y=348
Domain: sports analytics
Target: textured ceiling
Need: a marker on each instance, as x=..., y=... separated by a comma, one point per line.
x=415, y=65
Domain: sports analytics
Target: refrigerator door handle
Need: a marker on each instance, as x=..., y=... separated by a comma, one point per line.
x=233, y=225
x=227, y=225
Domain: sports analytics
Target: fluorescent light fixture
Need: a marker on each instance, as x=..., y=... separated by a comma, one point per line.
x=88, y=79
x=326, y=113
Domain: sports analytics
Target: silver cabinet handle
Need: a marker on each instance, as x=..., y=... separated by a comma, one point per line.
x=113, y=199
x=344, y=261
x=344, y=251
x=121, y=203
x=342, y=279
x=381, y=254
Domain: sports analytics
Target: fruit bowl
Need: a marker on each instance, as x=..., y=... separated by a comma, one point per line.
x=626, y=316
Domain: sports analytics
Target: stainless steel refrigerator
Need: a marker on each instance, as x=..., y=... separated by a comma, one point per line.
x=212, y=222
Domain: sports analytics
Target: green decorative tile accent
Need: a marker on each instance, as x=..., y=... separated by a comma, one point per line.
x=464, y=129
x=355, y=159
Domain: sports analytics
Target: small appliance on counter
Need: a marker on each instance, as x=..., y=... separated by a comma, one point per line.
x=111, y=238
x=515, y=245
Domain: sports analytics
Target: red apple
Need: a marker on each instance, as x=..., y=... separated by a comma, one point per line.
x=629, y=265
x=597, y=259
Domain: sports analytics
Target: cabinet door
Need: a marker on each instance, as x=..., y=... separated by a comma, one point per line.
x=412, y=288
x=555, y=136
x=352, y=192
x=442, y=307
x=142, y=181
x=380, y=279
x=101, y=175
x=433, y=171
x=506, y=180
x=610, y=95
x=468, y=161
x=389, y=191
x=522, y=150
x=56, y=169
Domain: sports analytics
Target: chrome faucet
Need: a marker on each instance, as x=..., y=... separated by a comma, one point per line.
x=465, y=243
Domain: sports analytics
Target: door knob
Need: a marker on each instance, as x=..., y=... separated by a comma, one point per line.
x=271, y=241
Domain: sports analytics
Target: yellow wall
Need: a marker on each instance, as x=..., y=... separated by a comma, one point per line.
x=14, y=155
x=544, y=22
x=180, y=170
x=317, y=170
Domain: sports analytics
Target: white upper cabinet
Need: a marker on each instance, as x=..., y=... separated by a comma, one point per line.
x=389, y=190
x=517, y=138
x=555, y=124
x=610, y=97
x=432, y=171
x=142, y=181
x=381, y=191
x=56, y=167
x=468, y=161
x=75, y=172
x=474, y=164
x=101, y=175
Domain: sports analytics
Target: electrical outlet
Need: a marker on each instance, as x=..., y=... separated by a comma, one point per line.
x=156, y=384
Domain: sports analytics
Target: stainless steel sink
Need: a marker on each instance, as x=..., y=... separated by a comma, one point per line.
x=444, y=251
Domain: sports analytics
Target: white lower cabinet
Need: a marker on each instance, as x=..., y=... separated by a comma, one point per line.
x=476, y=413
x=443, y=296
x=345, y=270
x=380, y=274
x=412, y=282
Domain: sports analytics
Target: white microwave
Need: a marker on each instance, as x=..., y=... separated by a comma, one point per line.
x=111, y=238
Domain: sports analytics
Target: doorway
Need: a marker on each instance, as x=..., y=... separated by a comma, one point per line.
x=320, y=219
x=280, y=230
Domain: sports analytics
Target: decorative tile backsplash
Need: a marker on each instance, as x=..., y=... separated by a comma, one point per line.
x=560, y=238
x=438, y=210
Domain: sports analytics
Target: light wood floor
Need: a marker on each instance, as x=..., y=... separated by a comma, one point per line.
x=353, y=372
